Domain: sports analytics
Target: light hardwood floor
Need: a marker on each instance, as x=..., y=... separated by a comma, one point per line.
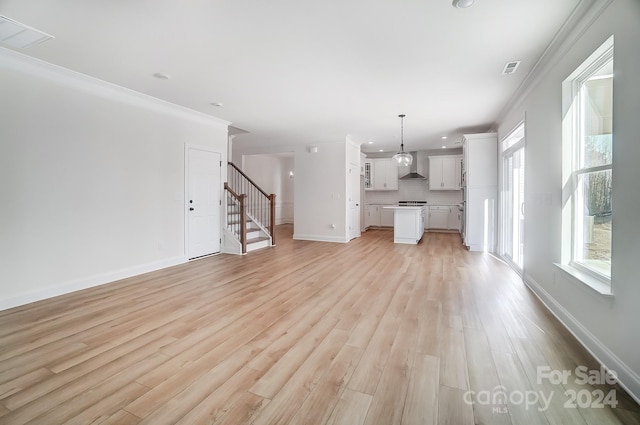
x=367, y=332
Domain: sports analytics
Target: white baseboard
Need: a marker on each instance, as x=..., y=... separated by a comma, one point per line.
x=627, y=378
x=87, y=282
x=319, y=238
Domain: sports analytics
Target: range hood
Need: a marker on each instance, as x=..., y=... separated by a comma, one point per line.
x=413, y=170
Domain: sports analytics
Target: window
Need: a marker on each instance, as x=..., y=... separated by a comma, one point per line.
x=588, y=164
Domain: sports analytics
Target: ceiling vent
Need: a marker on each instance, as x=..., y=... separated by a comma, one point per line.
x=20, y=36
x=510, y=67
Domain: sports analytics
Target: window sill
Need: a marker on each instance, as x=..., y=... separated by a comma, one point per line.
x=597, y=285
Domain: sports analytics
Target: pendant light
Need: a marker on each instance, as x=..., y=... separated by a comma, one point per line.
x=462, y=4
x=402, y=157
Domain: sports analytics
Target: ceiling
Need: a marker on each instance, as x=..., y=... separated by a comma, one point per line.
x=298, y=72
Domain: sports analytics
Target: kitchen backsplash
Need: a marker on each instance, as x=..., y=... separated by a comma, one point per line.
x=413, y=190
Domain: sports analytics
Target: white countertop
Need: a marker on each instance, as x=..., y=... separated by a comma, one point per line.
x=405, y=207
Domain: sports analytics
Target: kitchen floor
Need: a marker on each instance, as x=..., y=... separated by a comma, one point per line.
x=368, y=332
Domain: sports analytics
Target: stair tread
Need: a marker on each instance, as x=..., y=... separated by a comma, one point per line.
x=258, y=239
x=238, y=222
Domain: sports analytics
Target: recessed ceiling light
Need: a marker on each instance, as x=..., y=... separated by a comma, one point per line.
x=381, y=150
x=444, y=137
x=461, y=4
x=444, y=147
x=161, y=76
x=218, y=104
x=371, y=143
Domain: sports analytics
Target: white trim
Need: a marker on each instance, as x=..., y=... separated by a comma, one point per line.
x=89, y=282
x=319, y=238
x=586, y=278
x=573, y=168
x=29, y=65
x=284, y=212
x=627, y=378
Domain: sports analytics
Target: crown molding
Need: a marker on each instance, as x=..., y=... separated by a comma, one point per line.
x=581, y=18
x=19, y=62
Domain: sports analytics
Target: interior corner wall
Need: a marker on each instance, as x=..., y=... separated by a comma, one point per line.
x=91, y=180
x=320, y=193
x=608, y=327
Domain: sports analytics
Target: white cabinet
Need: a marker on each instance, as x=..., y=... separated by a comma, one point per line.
x=386, y=217
x=480, y=153
x=385, y=174
x=372, y=216
x=408, y=225
x=378, y=216
x=444, y=217
x=438, y=217
x=367, y=170
x=455, y=218
x=445, y=172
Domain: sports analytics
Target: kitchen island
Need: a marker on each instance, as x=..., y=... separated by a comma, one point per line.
x=408, y=223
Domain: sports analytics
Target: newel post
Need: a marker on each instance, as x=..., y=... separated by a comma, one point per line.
x=272, y=221
x=243, y=223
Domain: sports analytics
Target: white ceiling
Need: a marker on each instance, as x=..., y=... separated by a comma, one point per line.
x=301, y=72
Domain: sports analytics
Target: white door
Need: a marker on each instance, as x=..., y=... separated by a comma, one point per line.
x=353, y=202
x=203, y=202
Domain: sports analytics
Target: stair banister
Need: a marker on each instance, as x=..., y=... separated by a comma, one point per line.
x=242, y=230
x=257, y=198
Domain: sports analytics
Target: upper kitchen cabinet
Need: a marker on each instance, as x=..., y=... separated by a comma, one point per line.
x=385, y=174
x=367, y=172
x=445, y=172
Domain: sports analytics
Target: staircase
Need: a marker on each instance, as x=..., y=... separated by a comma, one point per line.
x=256, y=237
x=250, y=219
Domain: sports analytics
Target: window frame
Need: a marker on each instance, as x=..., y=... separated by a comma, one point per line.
x=574, y=168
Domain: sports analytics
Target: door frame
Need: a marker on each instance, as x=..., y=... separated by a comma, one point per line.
x=504, y=153
x=185, y=196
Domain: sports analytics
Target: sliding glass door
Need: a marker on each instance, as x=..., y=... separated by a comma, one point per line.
x=513, y=209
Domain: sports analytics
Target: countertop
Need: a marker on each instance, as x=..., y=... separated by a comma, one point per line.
x=404, y=207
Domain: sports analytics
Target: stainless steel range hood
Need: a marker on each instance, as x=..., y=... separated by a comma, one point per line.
x=413, y=170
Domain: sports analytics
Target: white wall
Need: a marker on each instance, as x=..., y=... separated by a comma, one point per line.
x=91, y=179
x=320, y=194
x=610, y=328
x=319, y=187
x=271, y=173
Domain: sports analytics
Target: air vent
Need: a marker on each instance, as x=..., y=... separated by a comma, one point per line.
x=510, y=67
x=20, y=36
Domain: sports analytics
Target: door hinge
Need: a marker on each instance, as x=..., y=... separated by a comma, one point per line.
x=220, y=240
x=220, y=164
x=220, y=201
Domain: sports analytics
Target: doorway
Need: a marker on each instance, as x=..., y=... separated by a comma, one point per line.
x=203, y=202
x=513, y=206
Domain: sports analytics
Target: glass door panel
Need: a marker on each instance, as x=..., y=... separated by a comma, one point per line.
x=513, y=206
